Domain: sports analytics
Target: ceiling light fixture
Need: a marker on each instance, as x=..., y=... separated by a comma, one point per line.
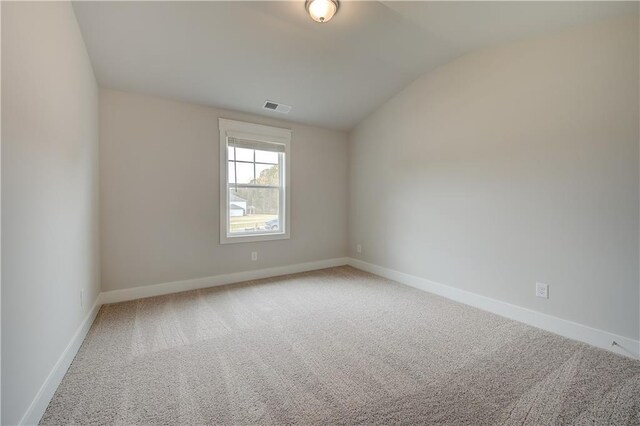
x=321, y=10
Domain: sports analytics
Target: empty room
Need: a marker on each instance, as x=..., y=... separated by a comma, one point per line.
x=320, y=212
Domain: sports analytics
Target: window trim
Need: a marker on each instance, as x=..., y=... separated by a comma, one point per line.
x=258, y=132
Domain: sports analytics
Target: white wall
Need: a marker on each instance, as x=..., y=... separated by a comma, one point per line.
x=49, y=194
x=159, y=177
x=511, y=166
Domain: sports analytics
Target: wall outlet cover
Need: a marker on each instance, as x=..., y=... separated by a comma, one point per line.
x=542, y=290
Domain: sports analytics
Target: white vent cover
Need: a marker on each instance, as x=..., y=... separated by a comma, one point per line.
x=275, y=106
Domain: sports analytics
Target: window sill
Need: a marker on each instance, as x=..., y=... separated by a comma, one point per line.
x=253, y=238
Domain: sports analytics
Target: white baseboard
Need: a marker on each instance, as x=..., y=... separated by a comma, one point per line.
x=593, y=336
x=45, y=393
x=133, y=293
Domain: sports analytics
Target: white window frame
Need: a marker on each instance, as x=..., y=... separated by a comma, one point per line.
x=257, y=132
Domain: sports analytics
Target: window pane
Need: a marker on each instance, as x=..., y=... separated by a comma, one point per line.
x=231, y=172
x=266, y=157
x=230, y=153
x=267, y=175
x=243, y=171
x=244, y=154
x=254, y=210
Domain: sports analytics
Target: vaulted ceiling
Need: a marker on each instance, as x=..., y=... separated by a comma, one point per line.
x=238, y=54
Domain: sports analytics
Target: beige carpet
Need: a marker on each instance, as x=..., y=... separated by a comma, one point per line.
x=336, y=346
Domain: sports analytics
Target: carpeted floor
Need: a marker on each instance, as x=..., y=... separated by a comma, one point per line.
x=337, y=346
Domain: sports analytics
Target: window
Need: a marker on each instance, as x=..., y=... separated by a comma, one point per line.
x=254, y=182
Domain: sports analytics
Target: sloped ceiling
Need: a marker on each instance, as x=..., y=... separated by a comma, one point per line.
x=238, y=54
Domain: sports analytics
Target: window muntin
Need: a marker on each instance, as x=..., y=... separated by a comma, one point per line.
x=254, y=193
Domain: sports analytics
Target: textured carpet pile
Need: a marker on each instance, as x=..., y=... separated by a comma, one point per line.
x=336, y=346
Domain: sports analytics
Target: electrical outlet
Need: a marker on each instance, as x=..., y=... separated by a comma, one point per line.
x=359, y=248
x=542, y=290
x=254, y=255
x=82, y=298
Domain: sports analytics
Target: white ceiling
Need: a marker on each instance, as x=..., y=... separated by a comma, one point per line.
x=236, y=55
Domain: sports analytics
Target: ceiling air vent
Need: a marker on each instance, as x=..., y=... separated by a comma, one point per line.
x=274, y=106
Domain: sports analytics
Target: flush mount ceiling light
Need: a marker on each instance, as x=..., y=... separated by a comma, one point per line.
x=321, y=10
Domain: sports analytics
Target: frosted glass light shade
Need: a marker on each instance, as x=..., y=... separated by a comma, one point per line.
x=321, y=10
